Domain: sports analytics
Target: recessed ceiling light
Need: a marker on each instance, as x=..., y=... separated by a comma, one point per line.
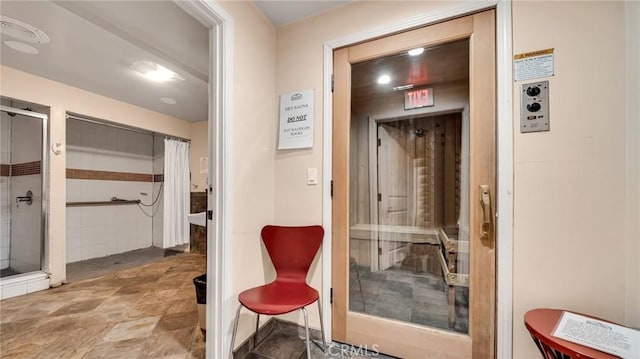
x=416, y=52
x=384, y=79
x=168, y=100
x=155, y=72
x=22, y=47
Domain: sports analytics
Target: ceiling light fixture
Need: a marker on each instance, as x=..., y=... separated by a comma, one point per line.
x=384, y=79
x=22, y=47
x=155, y=72
x=416, y=52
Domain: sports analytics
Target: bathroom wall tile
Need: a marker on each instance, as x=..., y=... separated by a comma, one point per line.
x=100, y=137
x=74, y=132
x=25, y=133
x=88, y=134
x=74, y=254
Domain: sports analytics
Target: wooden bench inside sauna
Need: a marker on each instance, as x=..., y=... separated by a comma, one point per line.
x=434, y=251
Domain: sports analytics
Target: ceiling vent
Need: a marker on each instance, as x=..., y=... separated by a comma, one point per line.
x=21, y=31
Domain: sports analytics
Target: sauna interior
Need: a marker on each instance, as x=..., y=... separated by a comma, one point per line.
x=409, y=186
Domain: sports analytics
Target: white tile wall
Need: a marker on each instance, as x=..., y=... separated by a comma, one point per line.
x=26, y=224
x=5, y=138
x=5, y=213
x=100, y=231
x=27, y=135
x=25, y=245
x=5, y=222
x=158, y=168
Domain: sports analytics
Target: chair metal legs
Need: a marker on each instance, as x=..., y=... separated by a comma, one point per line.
x=306, y=330
x=255, y=335
x=235, y=330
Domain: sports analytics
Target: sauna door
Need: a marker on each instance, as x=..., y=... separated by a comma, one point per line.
x=432, y=294
x=393, y=195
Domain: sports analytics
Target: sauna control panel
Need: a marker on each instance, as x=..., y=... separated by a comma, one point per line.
x=534, y=107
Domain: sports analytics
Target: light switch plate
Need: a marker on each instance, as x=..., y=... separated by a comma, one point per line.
x=312, y=176
x=534, y=107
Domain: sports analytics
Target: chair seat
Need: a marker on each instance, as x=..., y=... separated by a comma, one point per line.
x=278, y=297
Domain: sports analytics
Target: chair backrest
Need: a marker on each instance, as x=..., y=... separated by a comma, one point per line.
x=292, y=249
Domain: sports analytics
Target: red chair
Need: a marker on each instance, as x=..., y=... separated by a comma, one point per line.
x=291, y=250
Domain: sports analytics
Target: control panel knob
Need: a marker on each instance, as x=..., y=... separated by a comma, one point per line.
x=533, y=107
x=533, y=91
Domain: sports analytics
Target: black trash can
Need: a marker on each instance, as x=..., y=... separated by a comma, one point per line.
x=200, y=282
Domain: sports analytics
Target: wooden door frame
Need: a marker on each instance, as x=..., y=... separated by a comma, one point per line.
x=504, y=138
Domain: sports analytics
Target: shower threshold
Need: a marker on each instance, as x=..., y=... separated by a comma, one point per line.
x=23, y=283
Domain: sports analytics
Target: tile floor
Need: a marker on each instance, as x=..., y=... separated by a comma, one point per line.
x=96, y=267
x=397, y=293
x=285, y=340
x=147, y=311
x=143, y=305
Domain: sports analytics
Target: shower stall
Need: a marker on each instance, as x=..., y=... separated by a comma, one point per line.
x=23, y=165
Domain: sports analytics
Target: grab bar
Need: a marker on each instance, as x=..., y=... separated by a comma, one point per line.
x=115, y=201
x=28, y=197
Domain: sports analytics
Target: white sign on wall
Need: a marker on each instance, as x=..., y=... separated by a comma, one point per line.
x=533, y=65
x=296, y=120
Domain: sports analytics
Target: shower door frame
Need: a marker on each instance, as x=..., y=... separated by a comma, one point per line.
x=44, y=169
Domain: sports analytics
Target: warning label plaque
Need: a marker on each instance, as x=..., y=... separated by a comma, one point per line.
x=533, y=65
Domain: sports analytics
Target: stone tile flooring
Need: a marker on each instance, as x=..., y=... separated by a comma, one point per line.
x=397, y=293
x=147, y=311
x=285, y=340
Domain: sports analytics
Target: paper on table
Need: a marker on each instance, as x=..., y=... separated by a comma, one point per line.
x=597, y=334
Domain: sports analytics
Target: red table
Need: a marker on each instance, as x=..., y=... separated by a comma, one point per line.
x=541, y=322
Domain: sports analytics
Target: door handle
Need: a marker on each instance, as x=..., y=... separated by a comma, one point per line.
x=485, y=201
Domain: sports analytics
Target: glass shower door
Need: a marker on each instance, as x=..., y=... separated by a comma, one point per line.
x=22, y=135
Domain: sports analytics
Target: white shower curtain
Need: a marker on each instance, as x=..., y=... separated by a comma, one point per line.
x=176, y=193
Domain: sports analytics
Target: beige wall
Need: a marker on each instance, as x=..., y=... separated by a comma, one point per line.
x=254, y=133
x=569, y=225
x=62, y=98
x=633, y=163
x=198, y=149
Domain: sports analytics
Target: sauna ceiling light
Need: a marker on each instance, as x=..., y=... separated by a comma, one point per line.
x=168, y=100
x=22, y=31
x=384, y=79
x=22, y=47
x=416, y=52
x=155, y=72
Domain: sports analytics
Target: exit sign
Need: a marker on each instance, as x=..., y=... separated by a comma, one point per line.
x=418, y=98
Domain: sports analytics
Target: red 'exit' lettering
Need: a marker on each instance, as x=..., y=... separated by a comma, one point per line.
x=419, y=98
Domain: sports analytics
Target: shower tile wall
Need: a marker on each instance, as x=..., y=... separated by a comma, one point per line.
x=5, y=162
x=158, y=171
x=26, y=220
x=97, y=231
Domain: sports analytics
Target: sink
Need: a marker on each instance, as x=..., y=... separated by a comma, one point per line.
x=199, y=219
